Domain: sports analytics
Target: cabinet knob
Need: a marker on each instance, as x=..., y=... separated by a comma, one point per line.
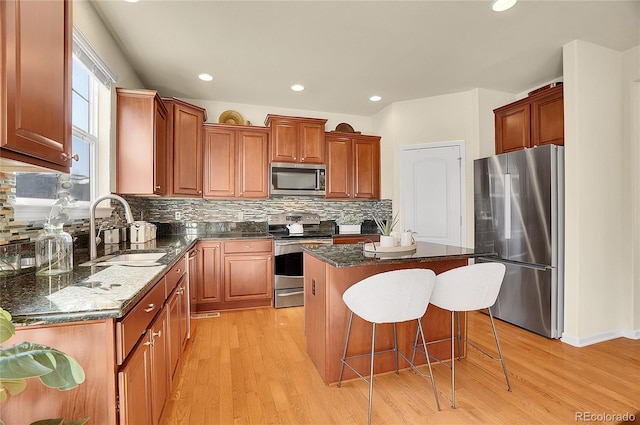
x=156, y=334
x=178, y=271
x=66, y=157
x=302, y=159
x=199, y=192
x=157, y=187
x=294, y=158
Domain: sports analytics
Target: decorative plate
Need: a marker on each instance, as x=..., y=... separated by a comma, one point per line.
x=231, y=117
x=345, y=128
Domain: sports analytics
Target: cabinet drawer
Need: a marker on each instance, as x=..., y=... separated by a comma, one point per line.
x=238, y=247
x=134, y=324
x=174, y=275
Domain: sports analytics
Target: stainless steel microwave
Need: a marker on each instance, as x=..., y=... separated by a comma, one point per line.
x=297, y=179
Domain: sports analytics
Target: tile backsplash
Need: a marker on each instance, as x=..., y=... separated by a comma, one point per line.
x=163, y=210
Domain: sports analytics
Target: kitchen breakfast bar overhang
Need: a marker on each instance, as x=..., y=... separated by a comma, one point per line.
x=329, y=270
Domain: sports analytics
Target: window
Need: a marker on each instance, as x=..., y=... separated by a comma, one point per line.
x=36, y=191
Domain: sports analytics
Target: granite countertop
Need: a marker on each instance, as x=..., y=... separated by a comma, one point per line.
x=353, y=255
x=96, y=292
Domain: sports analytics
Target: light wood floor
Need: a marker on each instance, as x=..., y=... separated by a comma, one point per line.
x=251, y=367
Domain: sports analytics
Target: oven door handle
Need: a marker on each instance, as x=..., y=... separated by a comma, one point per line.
x=289, y=294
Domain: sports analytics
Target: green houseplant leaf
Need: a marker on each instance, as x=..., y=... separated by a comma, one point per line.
x=386, y=226
x=54, y=368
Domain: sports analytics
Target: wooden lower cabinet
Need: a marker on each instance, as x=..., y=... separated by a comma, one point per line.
x=144, y=379
x=236, y=274
x=178, y=312
x=134, y=382
x=128, y=362
x=208, y=290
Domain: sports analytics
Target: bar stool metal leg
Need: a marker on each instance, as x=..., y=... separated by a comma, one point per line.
x=344, y=352
x=395, y=347
x=373, y=350
x=453, y=361
x=504, y=366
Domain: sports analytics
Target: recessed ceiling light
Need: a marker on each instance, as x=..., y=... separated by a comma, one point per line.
x=205, y=77
x=502, y=5
x=297, y=87
x=375, y=98
x=131, y=1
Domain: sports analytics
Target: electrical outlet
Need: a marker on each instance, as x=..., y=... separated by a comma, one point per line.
x=177, y=215
x=241, y=215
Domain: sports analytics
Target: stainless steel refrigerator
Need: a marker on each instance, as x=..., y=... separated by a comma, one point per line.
x=519, y=221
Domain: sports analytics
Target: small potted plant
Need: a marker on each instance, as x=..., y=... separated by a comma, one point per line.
x=349, y=224
x=386, y=227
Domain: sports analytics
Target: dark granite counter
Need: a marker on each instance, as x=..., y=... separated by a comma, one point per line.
x=96, y=292
x=353, y=255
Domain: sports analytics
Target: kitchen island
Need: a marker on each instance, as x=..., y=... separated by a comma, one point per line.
x=330, y=269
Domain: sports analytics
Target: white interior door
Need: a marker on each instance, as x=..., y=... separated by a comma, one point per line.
x=431, y=181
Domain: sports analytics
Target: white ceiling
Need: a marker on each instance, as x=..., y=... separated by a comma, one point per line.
x=345, y=51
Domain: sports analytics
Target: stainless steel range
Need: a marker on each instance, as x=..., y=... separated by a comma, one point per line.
x=292, y=231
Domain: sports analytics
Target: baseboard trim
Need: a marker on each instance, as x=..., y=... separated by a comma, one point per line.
x=601, y=337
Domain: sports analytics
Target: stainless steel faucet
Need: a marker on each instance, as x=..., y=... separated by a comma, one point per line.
x=93, y=240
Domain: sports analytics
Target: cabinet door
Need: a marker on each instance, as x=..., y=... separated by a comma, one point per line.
x=141, y=151
x=134, y=382
x=547, y=119
x=209, y=286
x=36, y=49
x=195, y=277
x=183, y=303
x=513, y=128
x=173, y=307
x=220, y=163
x=312, y=145
x=339, y=183
x=187, y=151
x=248, y=277
x=284, y=145
x=159, y=365
x=253, y=153
x=160, y=150
x=366, y=168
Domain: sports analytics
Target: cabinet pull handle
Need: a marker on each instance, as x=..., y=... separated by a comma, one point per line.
x=157, y=187
x=66, y=157
x=150, y=308
x=148, y=343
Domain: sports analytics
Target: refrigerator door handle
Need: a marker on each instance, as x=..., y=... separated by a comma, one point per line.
x=507, y=206
x=515, y=263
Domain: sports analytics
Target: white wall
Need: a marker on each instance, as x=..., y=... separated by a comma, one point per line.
x=464, y=116
x=598, y=251
x=631, y=129
x=257, y=114
x=87, y=21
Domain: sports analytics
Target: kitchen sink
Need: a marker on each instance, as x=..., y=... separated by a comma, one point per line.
x=139, y=259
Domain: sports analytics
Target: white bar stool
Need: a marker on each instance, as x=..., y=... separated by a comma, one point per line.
x=390, y=297
x=468, y=288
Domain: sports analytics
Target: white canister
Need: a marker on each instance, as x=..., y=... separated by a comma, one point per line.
x=139, y=232
x=406, y=239
x=112, y=236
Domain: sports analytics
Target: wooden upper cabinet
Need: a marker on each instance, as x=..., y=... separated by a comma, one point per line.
x=36, y=54
x=236, y=161
x=532, y=121
x=184, y=142
x=296, y=139
x=141, y=150
x=547, y=118
x=353, y=166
